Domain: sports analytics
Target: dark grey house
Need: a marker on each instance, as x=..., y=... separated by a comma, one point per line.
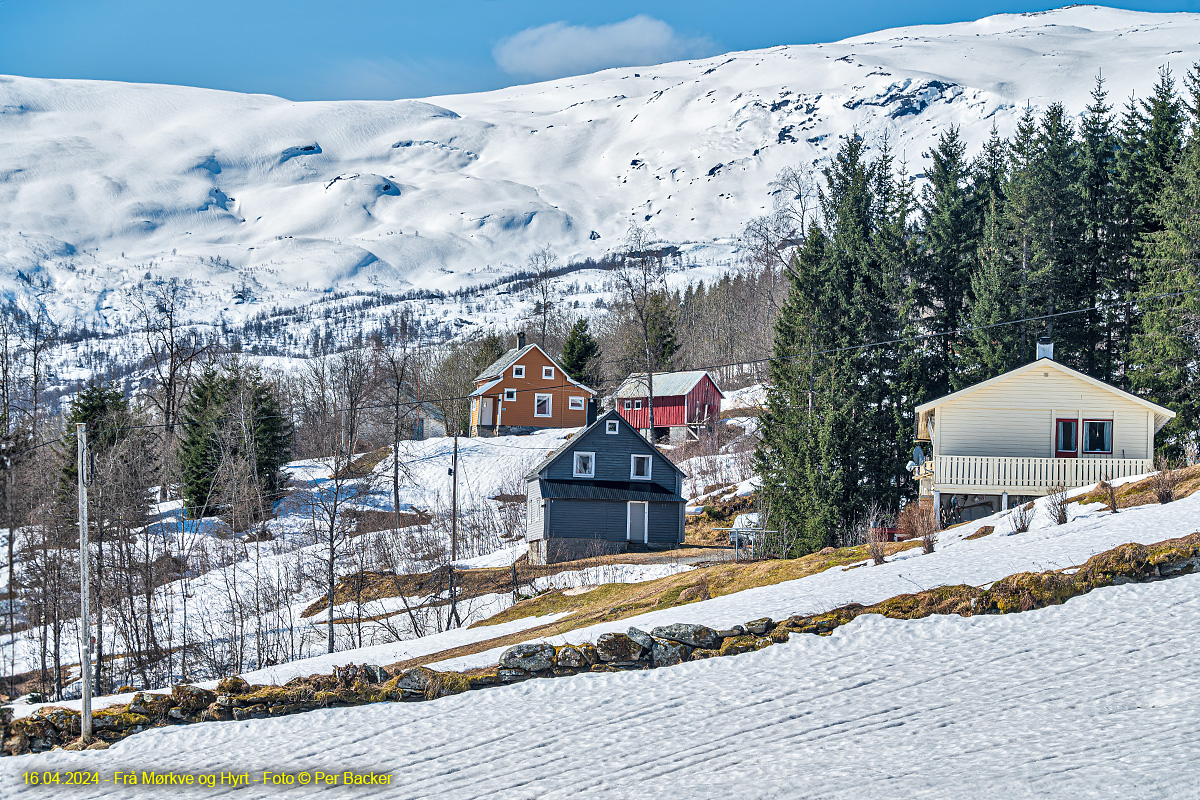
x=605, y=491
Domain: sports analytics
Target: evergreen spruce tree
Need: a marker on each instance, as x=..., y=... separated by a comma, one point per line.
x=104, y=410
x=1098, y=157
x=1165, y=357
x=231, y=413
x=1059, y=277
x=581, y=355
x=800, y=482
x=950, y=243
x=660, y=324
x=991, y=348
x=831, y=429
x=267, y=434
x=663, y=343
x=1020, y=221
x=199, y=450
x=1149, y=147
x=989, y=171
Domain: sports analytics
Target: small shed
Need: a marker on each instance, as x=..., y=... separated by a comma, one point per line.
x=685, y=403
x=606, y=490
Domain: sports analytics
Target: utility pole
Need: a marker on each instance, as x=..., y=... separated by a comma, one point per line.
x=419, y=431
x=453, y=531
x=454, y=502
x=84, y=588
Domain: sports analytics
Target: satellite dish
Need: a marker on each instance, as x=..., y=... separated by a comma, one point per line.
x=918, y=455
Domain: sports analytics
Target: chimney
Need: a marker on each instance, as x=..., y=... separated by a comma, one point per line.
x=1045, y=348
x=591, y=410
x=520, y=339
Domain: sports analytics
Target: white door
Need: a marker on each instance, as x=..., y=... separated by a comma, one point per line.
x=485, y=411
x=637, y=527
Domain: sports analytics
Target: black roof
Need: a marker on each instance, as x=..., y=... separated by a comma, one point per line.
x=608, y=490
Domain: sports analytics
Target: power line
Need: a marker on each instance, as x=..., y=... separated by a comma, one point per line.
x=765, y=360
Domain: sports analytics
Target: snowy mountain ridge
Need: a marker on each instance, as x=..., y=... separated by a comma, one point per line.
x=105, y=185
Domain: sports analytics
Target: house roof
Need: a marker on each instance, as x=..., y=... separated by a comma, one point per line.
x=574, y=440
x=1042, y=363
x=666, y=384
x=481, y=390
x=608, y=490
x=497, y=367
x=496, y=370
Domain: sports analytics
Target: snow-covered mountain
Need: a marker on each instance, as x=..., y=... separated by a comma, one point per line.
x=104, y=185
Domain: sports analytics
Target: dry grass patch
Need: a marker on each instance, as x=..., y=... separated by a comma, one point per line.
x=366, y=587
x=365, y=464
x=1141, y=493
x=699, y=530
x=618, y=601
x=986, y=530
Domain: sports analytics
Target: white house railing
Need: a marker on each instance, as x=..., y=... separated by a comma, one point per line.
x=1031, y=475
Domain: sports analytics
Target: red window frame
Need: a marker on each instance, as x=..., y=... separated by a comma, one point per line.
x=1111, y=435
x=1058, y=451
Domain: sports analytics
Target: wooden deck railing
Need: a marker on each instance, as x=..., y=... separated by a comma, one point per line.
x=1031, y=475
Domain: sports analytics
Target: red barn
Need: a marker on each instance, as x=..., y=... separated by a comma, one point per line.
x=684, y=403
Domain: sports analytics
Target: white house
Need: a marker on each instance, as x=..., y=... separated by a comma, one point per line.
x=1020, y=434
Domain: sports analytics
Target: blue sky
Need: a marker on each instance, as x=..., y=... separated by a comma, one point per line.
x=384, y=49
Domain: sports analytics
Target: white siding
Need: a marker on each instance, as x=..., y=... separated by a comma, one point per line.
x=1016, y=417
x=534, y=522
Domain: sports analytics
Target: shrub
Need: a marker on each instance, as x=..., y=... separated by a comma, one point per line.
x=1109, y=492
x=929, y=531
x=1020, y=518
x=1057, y=503
x=1165, y=482
x=877, y=545
x=907, y=522
x=919, y=521
x=872, y=529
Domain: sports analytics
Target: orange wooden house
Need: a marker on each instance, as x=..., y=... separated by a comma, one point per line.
x=524, y=390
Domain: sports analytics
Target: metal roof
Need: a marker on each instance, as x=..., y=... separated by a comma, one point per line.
x=622, y=491
x=497, y=367
x=484, y=388
x=666, y=384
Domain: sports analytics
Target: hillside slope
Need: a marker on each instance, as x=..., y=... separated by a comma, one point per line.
x=104, y=185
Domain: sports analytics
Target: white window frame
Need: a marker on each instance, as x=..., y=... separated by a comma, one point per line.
x=575, y=464
x=611, y=426
x=628, y=405
x=510, y=395
x=633, y=458
x=637, y=404
x=519, y=371
x=547, y=373
x=576, y=403
x=549, y=405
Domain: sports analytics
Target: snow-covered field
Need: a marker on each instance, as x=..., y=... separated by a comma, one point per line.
x=1095, y=698
x=978, y=562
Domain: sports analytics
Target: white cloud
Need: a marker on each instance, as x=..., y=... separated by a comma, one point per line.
x=559, y=49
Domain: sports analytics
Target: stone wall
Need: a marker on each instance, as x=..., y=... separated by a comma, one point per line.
x=554, y=550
